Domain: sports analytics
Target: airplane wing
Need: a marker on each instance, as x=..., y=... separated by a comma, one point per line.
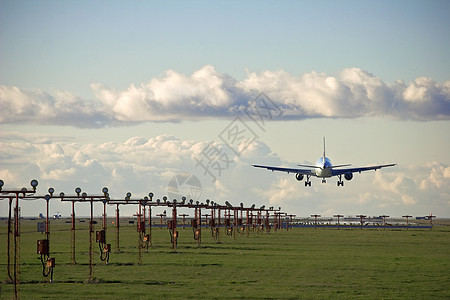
x=359, y=170
x=288, y=170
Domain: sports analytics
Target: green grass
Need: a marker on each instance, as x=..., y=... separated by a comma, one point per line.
x=301, y=263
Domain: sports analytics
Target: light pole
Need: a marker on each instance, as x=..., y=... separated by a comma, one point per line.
x=407, y=220
x=315, y=219
x=150, y=196
x=184, y=219
x=338, y=216
x=361, y=217
x=384, y=220
x=16, y=265
x=101, y=235
x=430, y=217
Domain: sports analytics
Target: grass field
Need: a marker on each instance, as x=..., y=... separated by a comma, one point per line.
x=304, y=263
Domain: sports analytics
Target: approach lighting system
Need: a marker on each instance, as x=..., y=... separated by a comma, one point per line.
x=128, y=196
x=34, y=184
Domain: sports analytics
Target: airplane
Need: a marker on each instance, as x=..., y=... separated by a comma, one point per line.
x=324, y=169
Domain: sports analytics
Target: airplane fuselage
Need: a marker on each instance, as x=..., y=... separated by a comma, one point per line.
x=324, y=167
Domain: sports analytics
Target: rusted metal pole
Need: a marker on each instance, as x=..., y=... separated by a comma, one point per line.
x=407, y=220
x=338, y=216
x=199, y=241
x=117, y=228
x=91, y=248
x=384, y=221
x=16, y=248
x=139, y=231
x=361, y=217
x=430, y=217
x=9, y=239
x=218, y=226
x=184, y=219
x=104, y=216
x=73, y=233
x=143, y=216
x=47, y=231
x=315, y=219
x=174, y=227
x=150, y=224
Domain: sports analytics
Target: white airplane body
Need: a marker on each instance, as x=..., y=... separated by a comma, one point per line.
x=324, y=169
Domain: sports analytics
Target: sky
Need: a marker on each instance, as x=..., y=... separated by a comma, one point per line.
x=181, y=98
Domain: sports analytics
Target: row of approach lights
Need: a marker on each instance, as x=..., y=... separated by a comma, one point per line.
x=190, y=202
x=84, y=195
x=33, y=183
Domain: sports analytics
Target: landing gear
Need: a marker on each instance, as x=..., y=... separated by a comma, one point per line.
x=307, y=182
x=340, y=181
x=324, y=180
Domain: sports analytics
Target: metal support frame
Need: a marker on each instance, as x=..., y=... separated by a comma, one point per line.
x=16, y=264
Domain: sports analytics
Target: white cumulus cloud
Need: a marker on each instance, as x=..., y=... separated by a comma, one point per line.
x=207, y=94
x=141, y=165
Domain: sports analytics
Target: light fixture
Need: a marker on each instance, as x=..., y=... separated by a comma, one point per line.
x=34, y=184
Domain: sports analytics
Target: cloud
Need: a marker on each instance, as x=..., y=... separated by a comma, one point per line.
x=37, y=107
x=207, y=94
x=175, y=97
x=140, y=165
x=438, y=177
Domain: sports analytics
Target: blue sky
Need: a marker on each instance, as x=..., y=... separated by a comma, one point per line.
x=118, y=43
x=89, y=88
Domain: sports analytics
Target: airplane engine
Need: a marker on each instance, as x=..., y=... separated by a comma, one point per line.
x=299, y=176
x=348, y=176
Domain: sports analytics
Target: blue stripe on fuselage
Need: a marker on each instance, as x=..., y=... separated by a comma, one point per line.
x=324, y=162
